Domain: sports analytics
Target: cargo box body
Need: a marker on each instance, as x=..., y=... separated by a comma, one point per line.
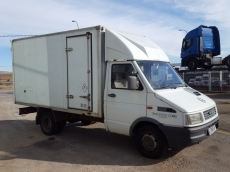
x=62, y=71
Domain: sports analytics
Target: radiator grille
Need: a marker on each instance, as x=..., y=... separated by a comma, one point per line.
x=209, y=113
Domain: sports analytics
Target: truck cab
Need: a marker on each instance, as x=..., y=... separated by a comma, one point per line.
x=200, y=47
x=146, y=99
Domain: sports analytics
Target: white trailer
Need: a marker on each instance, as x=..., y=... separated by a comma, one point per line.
x=120, y=79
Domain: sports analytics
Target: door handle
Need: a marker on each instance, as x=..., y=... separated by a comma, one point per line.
x=69, y=96
x=112, y=95
x=86, y=97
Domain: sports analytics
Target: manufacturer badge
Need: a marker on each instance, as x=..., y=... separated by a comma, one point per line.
x=202, y=100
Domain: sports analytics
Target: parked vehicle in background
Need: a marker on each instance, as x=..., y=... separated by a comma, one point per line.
x=200, y=47
x=198, y=80
x=120, y=79
x=191, y=82
x=218, y=82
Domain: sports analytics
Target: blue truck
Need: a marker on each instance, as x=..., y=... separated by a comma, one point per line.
x=200, y=48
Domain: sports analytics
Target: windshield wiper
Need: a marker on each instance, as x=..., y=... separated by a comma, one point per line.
x=176, y=83
x=165, y=86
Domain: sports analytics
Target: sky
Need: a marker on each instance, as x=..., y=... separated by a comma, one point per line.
x=159, y=20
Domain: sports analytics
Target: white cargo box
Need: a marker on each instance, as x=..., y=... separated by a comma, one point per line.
x=61, y=71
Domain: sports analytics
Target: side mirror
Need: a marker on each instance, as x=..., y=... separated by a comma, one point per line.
x=133, y=83
x=134, y=73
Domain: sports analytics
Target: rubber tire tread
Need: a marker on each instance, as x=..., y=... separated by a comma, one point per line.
x=54, y=128
x=61, y=126
x=227, y=61
x=86, y=122
x=194, y=68
x=162, y=146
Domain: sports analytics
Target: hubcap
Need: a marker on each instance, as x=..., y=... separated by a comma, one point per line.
x=47, y=124
x=149, y=142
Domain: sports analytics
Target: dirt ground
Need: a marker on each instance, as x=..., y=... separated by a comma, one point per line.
x=23, y=147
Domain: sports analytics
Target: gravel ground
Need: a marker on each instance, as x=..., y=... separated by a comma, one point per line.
x=23, y=147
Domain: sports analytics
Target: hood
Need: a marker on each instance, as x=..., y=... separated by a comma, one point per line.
x=185, y=99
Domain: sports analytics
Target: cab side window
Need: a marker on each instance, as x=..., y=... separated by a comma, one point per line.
x=187, y=43
x=120, y=76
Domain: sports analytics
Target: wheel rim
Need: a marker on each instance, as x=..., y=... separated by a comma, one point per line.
x=192, y=64
x=149, y=142
x=46, y=124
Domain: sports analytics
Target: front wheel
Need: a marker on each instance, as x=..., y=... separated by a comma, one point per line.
x=150, y=142
x=192, y=64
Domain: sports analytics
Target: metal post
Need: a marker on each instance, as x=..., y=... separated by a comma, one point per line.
x=183, y=75
x=209, y=81
x=221, y=79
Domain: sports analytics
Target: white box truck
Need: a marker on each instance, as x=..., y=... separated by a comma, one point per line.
x=120, y=79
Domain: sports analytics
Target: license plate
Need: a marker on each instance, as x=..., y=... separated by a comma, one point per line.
x=211, y=130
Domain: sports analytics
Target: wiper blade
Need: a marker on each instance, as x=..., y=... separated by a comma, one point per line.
x=176, y=83
x=165, y=86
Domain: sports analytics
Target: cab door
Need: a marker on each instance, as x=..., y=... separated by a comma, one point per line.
x=123, y=106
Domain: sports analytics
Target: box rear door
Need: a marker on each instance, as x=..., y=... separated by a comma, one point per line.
x=79, y=72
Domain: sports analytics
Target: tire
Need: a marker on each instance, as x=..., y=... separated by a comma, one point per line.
x=192, y=64
x=227, y=61
x=48, y=124
x=86, y=122
x=150, y=142
x=207, y=67
x=72, y=121
x=61, y=126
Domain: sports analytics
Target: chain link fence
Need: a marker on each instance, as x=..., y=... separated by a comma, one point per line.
x=207, y=81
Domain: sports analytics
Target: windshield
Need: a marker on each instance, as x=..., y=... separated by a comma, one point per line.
x=160, y=75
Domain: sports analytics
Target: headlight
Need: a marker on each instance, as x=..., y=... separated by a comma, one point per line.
x=193, y=119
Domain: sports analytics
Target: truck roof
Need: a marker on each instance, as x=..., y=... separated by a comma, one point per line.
x=120, y=45
x=131, y=47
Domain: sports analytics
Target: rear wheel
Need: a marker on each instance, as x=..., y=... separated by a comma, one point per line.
x=227, y=61
x=86, y=122
x=48, y=124
x=150, y=142
x=72, y=121
x=61, y=126
x=192, y=64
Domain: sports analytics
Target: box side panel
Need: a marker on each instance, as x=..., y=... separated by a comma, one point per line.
x=19, y=70
x=40, y=73
x=40, y=69
x=31, y=71
x=95, y=73
x=57, y=70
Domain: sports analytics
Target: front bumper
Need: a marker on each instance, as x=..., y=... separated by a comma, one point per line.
x=182, y=137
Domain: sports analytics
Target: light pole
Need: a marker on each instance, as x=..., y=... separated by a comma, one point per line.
x=183, y=30
x=76, y=23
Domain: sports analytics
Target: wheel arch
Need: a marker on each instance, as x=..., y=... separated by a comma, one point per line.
x=41, y=111
x=141, y=122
